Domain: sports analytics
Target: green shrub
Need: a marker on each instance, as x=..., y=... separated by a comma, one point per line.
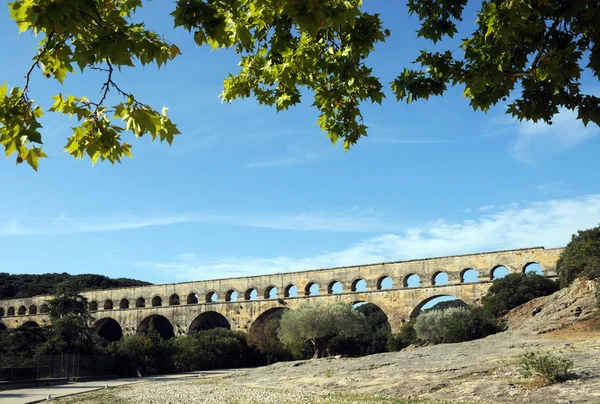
x=581, y=257
x=407, y=336
x=553, y=368
x=514, y=290
x=454, y=325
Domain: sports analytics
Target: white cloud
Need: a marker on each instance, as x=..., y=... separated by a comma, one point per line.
x=540, y=140
x=283, y=162
x=354, y=220
x=549, y=224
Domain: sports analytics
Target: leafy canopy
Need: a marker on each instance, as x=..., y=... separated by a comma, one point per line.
x=581, y=257
x=532, y=50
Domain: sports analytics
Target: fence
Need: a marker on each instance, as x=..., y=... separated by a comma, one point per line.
x=70, y=366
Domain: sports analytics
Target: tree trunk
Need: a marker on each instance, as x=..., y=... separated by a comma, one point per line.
x=320, y=348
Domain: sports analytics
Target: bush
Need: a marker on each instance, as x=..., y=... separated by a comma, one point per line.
x=580, y=258
x=407, y=336
x=514, y=290
x=552, y=368
x=454, y=325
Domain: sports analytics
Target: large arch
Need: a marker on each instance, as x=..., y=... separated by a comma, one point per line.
x=109, y=329
x=207, y=321
x=273, y=313
x=30, y=323
x=433, y=300
x=533, y=267
x=160, y=324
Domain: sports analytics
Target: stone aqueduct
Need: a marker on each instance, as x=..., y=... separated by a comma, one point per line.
x=189, y=306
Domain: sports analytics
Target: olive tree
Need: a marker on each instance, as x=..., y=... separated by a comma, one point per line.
x=319, y=324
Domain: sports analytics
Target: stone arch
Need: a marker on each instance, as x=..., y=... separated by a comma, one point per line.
x=271, y=290
x=108, y=304
x=22, y=311
x=207, y=321
x=109, y=329
x=266, y=315
x=11, y=311
x=440, y=278
x=417, y=309
x=332, y=285
x=358, y=285
x=44, y=308
x=231, y=295
x=290, y=290
x=311, y=289
x=2, y=327
x=33, y=310
x=160, y=323
x=534, y=267
x=156, y=301
x=1, y=312
x=469, y=273
x=174, y=299
x=140, y=302
x=192, y=298
x=495, y=271
x=124, y=303
x=212, y=297
x=30, y=323
x=251, y=294
x=385, y=282
x=93, y=305
x=408, y=279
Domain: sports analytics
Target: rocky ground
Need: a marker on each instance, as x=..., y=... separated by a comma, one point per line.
x=482, y=371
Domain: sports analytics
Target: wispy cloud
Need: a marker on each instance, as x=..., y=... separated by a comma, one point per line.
x=551, y=187
x=549, y=223
x=535, y=141
x=352, y=220
x=286, y=161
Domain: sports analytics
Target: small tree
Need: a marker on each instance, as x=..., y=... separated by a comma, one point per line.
x=263, y=336
x=319, y=323
x=452, y=325
x=514, y=290
x=70, y=317
x=581, y=257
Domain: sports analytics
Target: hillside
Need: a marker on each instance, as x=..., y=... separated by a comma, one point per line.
x=480, y=371
x=18, y=286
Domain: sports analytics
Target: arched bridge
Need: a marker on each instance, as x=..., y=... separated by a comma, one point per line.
x=237, y=303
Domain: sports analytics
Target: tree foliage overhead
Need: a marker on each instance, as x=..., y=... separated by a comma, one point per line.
x=533, y=50
x=19, y=286
x=581, y=257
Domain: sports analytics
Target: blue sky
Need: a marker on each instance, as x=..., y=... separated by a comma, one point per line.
x=245, y=190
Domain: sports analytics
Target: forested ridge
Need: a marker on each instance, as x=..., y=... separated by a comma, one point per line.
x=19, y=286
